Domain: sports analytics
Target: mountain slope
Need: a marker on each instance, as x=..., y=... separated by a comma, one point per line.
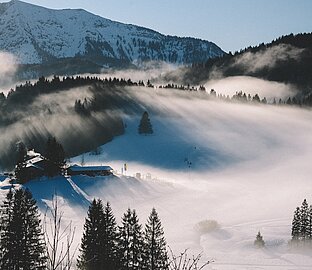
x=287, y=59
x=39, y=35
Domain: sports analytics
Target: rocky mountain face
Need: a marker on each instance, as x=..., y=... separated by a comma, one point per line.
x=38, y=35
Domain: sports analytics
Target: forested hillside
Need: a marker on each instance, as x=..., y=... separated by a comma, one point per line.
x=287, y=59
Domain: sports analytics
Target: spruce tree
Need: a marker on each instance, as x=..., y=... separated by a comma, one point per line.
x=21, y=152
x=21, y=226
x=259, y=240
x=91, y=250
x=55, y=154
x=309, y=230
x=20, y=171
x=295, y=229
x=304, y=220
x=130, y=242
x=145, y=126
x=155, y=252
x=6, y=233
x=109, y=239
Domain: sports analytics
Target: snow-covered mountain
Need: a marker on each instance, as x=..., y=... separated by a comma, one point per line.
x=39, y=35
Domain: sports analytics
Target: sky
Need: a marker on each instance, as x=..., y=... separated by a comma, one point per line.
x=231, y=24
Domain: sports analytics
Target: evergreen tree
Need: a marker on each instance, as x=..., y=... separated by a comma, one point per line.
x=145, y=126
x=256, y=98
x=304, y=220
x=295, y=229
x=264, y=101
x=21, y=152
x=56, y=155
x=259, y=240
x=109, y=239
x=155, y=252
x=20, y=171
x=91, y=249
x=6, y=233
x=130, y=242
x=21, y=243
x=309, y=231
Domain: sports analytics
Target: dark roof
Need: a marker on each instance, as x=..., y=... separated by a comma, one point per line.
x=77, y=168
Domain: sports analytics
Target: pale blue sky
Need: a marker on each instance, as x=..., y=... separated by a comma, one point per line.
x=231, y=24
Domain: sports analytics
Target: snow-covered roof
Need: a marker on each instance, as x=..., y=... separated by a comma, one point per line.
x=77, y=168
x=34, y=160
x=32, y=153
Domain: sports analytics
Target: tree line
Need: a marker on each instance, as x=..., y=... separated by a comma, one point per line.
x=240, y=96
x=301, y=227
x=25, y=244
x=301, y=230
x=294, y=71
x=127, y=246
x=25, y=94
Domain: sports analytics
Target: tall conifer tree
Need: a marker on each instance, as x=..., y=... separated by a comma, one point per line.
x=6, y=233
x=309, y=229
x=304, y=220
x=55, y=154
x=145, y=126
x=155, y=252
x=109, y=239
x=91, y=249
x=130, y=242
x=295, y=230
x=20, y=168
x=21, y=226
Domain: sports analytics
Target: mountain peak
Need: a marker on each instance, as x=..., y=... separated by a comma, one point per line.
x=40, y=35
x=18, y=2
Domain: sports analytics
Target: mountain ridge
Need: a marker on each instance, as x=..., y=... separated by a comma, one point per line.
x=39, y=35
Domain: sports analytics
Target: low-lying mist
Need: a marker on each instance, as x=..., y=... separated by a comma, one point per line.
x=269, y=90
x=250, y=163
x=53, y=114
x=261, y=173
x=8, y=68
x=267, y=59
x=250, y=169
x=244, y=132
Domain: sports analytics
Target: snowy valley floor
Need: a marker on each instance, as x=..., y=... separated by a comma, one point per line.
x=245, y=166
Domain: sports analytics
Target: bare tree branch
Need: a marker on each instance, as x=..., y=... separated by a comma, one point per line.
x=59, y=239
x=184, y=262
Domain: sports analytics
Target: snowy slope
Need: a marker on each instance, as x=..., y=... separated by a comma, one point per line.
x=36, y=35
x=247, y=173
x=250, y=169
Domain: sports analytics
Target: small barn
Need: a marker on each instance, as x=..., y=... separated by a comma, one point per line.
x=90, y=170
x=35, y=165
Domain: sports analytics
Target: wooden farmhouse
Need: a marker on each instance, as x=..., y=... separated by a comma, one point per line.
x=36, y=164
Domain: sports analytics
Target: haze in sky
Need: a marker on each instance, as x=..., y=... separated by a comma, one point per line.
x=231, y=24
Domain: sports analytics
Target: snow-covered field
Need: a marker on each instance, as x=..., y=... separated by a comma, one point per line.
x=245, y=166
